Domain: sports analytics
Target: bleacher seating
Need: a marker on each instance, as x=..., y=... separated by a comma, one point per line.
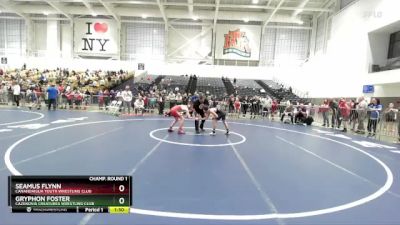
x=170, y=83
x=211, y=86
x=277, y=91
x=230, y=89
x=248, y=88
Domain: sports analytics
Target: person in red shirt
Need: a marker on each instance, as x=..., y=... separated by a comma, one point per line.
x=78, y=99
x=70, y=98
x=237, y=105
x=324, y=109
x=177, y=112
x=344, y=108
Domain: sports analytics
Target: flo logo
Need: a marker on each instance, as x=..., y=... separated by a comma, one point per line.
x=237, y=42
x=92, y=40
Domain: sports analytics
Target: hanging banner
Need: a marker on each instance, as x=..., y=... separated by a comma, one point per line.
x=237, y=42
x=95, y=37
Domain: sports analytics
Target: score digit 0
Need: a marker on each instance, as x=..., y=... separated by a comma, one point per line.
x=121, y=188
x=121, y=201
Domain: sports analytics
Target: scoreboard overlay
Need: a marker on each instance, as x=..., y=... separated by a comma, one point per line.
x=70, y=194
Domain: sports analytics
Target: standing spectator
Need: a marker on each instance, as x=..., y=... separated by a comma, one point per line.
x=230, y=103
x=145, y=101
x=127, y=97
x=245, y=104
x=362, y=113
x=325, y=110
x=161, y=102
x=61, y=90
x=255, y=107
x=390, y=118
x=274, y=108
x=344, y=113
x=172, y=100
x=106, y=95
x=78, y=99
x=52, y=96
x=237, y=106
x=375, y=107
x=3, y=93
x=16, y=93
x=353, y=114
x=70, y=98
x=335, y=113
x=100, y=97
x=87, y=97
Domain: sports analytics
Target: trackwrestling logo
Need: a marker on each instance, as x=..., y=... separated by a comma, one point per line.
x=237, y=42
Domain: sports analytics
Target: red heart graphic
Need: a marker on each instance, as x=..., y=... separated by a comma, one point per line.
x=100, y=27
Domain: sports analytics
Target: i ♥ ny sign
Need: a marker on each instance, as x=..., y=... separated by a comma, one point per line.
x=99, y=27
x=95, y=36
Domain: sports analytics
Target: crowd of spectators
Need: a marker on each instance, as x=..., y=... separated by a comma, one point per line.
x=74, y=88
x=66, y=89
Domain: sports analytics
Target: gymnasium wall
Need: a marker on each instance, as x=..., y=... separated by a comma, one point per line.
x=51, y=42
x=344, y=68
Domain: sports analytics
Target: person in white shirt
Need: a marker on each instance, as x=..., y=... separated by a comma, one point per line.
x=16, y=93
x=139, y=105
x=178, y=98
x=127, y=99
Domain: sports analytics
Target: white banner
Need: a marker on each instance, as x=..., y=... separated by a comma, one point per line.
x=238, y=42
x=96, y=37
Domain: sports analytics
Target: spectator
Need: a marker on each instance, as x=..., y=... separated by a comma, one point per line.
x=362, y=113
x=375, y=107
x=52, y=96
x=390, y=118
x=178, y=98
x=335, y=113
x=161, y=102
x=100, y=97
x=289, y=111
x=255, y=107
x=245, y=104
x=237, y=106
x=3, y=93
x=325, y=109
x=16, y=93
x=301, y=114
x=78, y=99
x=344, y=112
x=127, y=99
x=139, y=105
x=70, y=98
x=274, y=108
x=106, y=95
x=353, y=114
